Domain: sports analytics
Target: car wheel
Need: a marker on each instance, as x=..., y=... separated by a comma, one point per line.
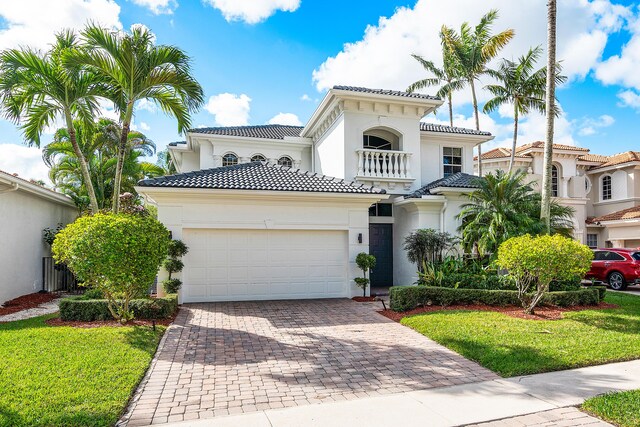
x=616, y=281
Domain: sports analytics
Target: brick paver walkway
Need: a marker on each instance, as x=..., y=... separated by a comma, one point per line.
x=562, y=417
x=231, y=358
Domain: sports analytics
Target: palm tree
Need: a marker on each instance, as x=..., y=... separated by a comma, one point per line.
x=472, y=49
x=520, y=86
x=98, y=144
x=38, y=89
x=447, y=77
x=133, y=68
x=505, y=206
x=545, y=206
x=166, y=162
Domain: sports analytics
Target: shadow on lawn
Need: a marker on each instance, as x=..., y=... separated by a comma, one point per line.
x=11, y=418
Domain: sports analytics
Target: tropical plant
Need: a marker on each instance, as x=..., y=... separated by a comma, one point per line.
x=535, y=262
x=520, y=86
x=505, y=206
x=427, y=246
x=165, y=162
x=118, y=254
x=545, y=206
x=173, y=264
x=49, y=234
x=472, y=49
x=365, y=262
x=98, y=143
x=133, y=68
x=448, y=78
x=37, y=89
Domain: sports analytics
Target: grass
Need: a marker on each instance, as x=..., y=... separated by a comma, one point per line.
x=510, y=346
x=622, y=409
x=63, y=376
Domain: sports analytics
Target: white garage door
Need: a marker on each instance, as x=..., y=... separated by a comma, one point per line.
x=244, y=265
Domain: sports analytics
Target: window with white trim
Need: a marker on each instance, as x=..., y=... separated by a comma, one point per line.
x=554, y=181
x=606, y=187
x=258, y=158
x=285, y=161
x=451, y=160
x=592, y=240
x=229, y=159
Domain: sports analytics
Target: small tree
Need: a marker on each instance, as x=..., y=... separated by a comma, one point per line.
x=534, y=262
x=118, y=254
x=365, y=263
x=427, y=246
x=173, y=264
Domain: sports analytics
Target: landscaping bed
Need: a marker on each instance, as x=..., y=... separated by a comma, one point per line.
x=26, y=302
x=63, y=376
x=515, y=346
x=82, y=309
x=621, y=409
x=364, y=299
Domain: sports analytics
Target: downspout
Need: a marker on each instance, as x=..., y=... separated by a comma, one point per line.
x=442, y=221
x=14, y=187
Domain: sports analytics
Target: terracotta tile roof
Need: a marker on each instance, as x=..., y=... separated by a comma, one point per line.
x=618, y=159
x=259, y=176
x=503, y=152
x=259, y=131
x=593, y=158
x=630, y=213
x=499, y=153
x=540, y=144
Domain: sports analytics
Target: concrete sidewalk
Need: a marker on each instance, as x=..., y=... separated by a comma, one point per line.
x=451, y=406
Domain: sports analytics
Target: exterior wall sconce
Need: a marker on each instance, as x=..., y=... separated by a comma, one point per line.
x=359, y=237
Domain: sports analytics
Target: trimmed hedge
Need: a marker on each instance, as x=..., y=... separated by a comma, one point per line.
x=472, y=281
x=88, y=310
x=602, y=290
x=404, y=298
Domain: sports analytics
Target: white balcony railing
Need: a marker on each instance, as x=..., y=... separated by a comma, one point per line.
x=384, y=164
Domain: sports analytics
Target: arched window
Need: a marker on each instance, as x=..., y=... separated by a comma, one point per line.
x=554, y=181
x=229, y=159
x=375, y=142
x=285, y=161
x=258, y=158
x=380, y=138
x=606, y=187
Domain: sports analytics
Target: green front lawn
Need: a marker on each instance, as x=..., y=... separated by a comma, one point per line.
x=622, y=409
x=511, y=346
x=63, y=376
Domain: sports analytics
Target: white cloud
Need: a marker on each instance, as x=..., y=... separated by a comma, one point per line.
x=229, y=109
x=589, y=126
x=381, y=59
x=158, y=7
x=141, y=127
x=285, y=119
x=252, y=11
x=145, y=104
x=25, y=161
x=305, y=97
x=35, y=22
x=629, y=98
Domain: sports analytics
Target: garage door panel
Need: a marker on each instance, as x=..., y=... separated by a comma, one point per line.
x=229, y=265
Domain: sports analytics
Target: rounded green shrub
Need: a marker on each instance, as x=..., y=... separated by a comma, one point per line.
x=171, y=286
x=117, y=254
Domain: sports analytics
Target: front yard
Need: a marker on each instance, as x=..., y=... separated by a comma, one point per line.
x=512, y=346
x=622, y=409
x=64, y=376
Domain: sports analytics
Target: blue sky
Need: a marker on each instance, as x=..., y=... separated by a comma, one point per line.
x=265, y=60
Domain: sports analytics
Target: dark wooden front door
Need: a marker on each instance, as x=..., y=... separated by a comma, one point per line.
x=381, y=246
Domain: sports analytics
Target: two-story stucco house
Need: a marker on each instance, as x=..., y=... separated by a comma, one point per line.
x=603, y=190
x=278, y=212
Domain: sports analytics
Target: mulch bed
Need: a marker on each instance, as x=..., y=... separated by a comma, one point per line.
x=364, y=299
x=110, y=323
x=26, y=302
x=541, y=313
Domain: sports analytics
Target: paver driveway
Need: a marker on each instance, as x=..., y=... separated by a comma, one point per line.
x=228, y=358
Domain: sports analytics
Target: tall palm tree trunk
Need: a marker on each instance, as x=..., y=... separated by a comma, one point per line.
x=515, y=139
x=545, y=206
x=450, y=105
x=477, y=117
x=84, y=168
x=122, y=148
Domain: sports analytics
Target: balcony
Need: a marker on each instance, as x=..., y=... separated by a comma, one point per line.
x=384, y=166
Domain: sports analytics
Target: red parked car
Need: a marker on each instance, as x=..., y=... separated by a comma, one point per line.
x=616, y=266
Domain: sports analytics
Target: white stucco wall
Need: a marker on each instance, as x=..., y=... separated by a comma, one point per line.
x=330, y=151
x=24, y=216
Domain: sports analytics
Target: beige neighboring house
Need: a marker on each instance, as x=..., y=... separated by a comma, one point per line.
x=604, y=190
x=26, y=209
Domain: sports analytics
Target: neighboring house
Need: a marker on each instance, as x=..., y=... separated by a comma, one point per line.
x=604, y=190
x=278, y=212
x=26, y=209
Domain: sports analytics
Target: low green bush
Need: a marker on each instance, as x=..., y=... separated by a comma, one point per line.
x=602, y=290
x=404, y=298
x=471, y=281
x=88, y=310
x=92, y=293
x=565, y=285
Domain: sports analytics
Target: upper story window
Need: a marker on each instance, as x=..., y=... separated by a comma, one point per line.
x=375, y=142
x=381, y=209
x=606, y=187
x=554, y=181
x=229, y=159
x=452, y=160
x=285, y=161
x=381, y=138
x=258, y=158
